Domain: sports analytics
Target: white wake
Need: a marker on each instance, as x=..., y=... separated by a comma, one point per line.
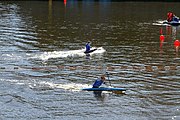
x=69, y=53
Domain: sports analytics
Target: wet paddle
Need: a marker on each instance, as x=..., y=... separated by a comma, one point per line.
x=116, y=92
x=108, y=78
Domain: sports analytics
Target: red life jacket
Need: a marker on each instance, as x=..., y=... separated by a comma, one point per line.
x=170, y=16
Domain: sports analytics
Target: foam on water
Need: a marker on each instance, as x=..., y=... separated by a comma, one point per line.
x=69, y=53
x=68, y=86
x=75, y=87
x=160, y=23
x=72, y=86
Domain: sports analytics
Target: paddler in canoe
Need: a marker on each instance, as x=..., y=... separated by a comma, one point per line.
x=88, y=48
x=99, y=82
x=172, y=17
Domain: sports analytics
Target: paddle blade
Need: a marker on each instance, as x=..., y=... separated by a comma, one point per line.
x=119, y=92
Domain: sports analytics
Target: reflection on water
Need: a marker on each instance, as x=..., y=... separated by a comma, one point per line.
x=169, y=34
x=43, y=67
x=100, y=96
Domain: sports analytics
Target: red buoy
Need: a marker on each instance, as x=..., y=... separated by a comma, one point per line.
x=65, y=1
x=161, y=37
x=176, y=43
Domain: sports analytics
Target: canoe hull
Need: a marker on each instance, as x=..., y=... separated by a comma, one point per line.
x=172, y=23
x=87, y=52
x=104, y=89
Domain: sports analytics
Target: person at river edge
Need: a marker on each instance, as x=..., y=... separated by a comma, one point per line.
x=99, y=82
x=88, y=47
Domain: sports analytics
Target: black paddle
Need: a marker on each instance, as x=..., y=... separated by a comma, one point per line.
x=116, y=92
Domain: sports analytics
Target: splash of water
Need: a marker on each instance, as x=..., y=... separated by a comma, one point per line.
x=160, y=23
x=71, y=53
x=68, y=86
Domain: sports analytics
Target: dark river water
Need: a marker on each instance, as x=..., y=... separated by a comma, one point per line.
x=43, y=67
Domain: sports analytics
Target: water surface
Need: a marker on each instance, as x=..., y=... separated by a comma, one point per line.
x=42, y=67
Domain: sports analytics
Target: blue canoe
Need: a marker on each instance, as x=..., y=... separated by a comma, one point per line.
x=104, y=89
